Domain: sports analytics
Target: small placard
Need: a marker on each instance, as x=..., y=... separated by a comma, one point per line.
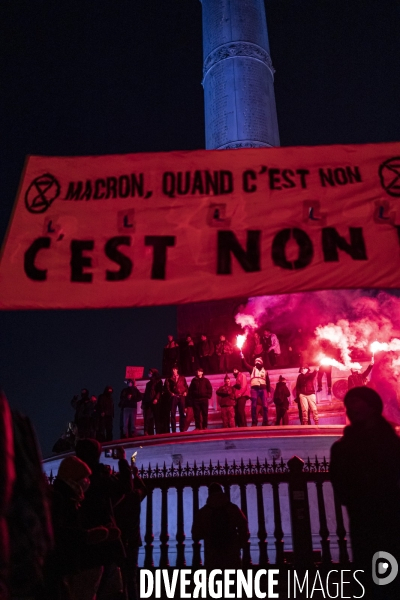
x=134, y=372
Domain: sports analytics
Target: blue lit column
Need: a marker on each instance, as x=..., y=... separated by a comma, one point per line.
x=238, y=76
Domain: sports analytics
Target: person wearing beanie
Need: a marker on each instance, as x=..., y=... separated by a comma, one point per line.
x=260, y=389
x=224, y=529
x=281, y=401
x=75, y=473
x=365, y=474
x=227, y=402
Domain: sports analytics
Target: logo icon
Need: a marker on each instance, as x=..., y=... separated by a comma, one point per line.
x=384, y=568
x=389, y=174
x=41, y=193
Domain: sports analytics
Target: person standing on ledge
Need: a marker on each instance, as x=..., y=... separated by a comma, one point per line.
x=260, y=387
x=176, y=388
x=223, y=350
x=271, y=348
x=227, y=403
x=242, y=395
x=306, y=393
x=200, y=391
x=281, y=401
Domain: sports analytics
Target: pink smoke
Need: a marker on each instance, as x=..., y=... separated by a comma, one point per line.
x=339, y=325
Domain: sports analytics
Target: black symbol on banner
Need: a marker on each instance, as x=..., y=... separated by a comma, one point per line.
x=389, y=173
x=41, y=193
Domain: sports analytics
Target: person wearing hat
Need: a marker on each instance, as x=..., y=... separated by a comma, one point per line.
x=358, y=379
x=281, y=401
x=260, y=388
x=200, y=392
x=365, y=474
x=227, y=402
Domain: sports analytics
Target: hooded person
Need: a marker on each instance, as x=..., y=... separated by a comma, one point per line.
x=72, y=539
x=105, y=415
x=224, y=529
x=358, y=378
x=281, y=401
x=260, y=389
x=151, y=398
x=105, y=491
x=365, y=474
x=84, y=413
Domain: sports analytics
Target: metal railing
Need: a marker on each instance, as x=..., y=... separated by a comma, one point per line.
x=297, y=475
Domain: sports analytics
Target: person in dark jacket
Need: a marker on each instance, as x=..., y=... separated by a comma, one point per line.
x=260, y=389
x=281, y=401
x=365, y=474
x=200, y=391
x=170, y=356
x=130, y=396
x=105, y=415
x=64, y=572
x=224, y=529
x=205, y=350
x=105, y=491
x=227, y=402
x=242, y=394
x=188, y=356
x=151, y=399
x=127, y=515
x=358, y=379
x=176, y=388
x=223, y=350
x=306, y=392
x=84, y=413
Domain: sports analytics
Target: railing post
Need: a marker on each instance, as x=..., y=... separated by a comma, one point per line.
x=300, y=513
x=196, y=561
x=262, y=531
x=323, y=525
x=180, y=532
x=243, y=504
x=278, y=531
x=341, y=533
x=164, y=536
x=149, y=537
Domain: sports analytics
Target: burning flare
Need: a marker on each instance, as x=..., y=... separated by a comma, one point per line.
x=325, y=360
x=392, y=346
x=240, y=340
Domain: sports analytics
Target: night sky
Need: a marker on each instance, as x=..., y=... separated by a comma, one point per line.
x=119, y=76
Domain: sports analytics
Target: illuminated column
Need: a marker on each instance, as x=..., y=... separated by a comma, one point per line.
x=238, y=76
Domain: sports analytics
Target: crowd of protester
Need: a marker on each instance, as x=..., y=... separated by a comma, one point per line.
x=220, y=355
x=161, y=400
x=79, y=539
